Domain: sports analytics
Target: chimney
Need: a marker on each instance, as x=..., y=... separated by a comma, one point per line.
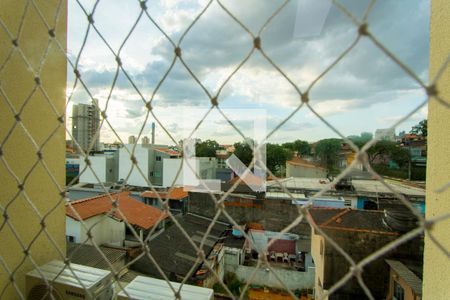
x=153, y=133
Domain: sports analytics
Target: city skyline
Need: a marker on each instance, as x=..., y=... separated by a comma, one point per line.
x=354, y=97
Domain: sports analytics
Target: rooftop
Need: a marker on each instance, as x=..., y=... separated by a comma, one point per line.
x=135, y=212
x=298, y=161
x=375, y=186
x=88, y=255
x=406, y=274
x=168, y=151
x=176, y=193
x=347, y=219
x=174, y=252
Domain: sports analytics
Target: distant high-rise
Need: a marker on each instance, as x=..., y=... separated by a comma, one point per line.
x=145, y=140
x=153, y=133
x=85, y=123
x=131, y=139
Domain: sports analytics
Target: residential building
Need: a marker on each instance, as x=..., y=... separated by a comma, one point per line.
x=145, y=140
x=103, y=168
x=404, y=284
x=110, y=227
x=131, y=140
x=150, y=160
x=177, y=173
x=85, y=124
x=178, y=198
x=176, y=256
x=299, y=167
x=387, y=134
x=359, y=233
x=221, y=156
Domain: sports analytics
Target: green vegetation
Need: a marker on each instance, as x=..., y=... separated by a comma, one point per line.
x=206, y=148
x=232, y=282
x=421, y=128
x=327, y=151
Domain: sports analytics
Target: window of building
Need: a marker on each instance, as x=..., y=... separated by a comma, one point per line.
x=70, y=238
x=158, y=158
x=399, y=293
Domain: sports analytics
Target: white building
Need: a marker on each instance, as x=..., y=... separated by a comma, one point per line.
x=205, y=168
x=110, y=227
x=387, y=134
x=126, y=165
x=105, y=167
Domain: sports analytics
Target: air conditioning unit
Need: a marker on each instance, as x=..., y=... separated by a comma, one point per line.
x=146, y=288
x=96, y=283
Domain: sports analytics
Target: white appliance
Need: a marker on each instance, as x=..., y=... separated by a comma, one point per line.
x=65, y=285
x=146, y=288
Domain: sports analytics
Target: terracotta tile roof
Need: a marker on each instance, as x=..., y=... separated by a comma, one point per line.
x=136, y=212
x=297, y=161
x=177, y=193
x=168, y=151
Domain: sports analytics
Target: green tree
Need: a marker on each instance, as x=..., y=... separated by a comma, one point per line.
x=421, y=128
x=276, y=157
x=362, y=139
x=302, y=147
x=244, y=152
x=327, y=150
x=388, y=149
x=206, y=148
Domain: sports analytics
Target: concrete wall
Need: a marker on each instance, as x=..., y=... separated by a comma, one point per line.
x=170, y=169
x=299, y=171
x=436, y=263
x=292, y=279
x=98, y=164
x=105, y=230
x=17, y=81
x=205, y=169
x=125, y=165
x=273, y=214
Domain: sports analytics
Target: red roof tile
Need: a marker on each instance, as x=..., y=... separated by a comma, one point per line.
x=135, y=212
x=177, y=193
x=168, y=151
x=297, y=161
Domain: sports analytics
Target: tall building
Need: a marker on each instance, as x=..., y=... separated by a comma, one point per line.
x=131, y=139
x=85, y=123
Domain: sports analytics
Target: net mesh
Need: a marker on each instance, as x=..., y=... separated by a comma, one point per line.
x=256, y=45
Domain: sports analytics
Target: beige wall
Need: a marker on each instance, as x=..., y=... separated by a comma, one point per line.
x=17, y=81
x=408, y=292
x=316, y=241
x=436, y=264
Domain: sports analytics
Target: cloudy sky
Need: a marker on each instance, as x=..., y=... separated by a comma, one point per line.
x=365, y=91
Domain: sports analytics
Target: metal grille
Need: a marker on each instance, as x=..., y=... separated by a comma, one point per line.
x=256, y=44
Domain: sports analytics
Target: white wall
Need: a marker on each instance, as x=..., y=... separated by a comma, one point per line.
x=291, y=278
x=105, y=230
x=203, y=165
x=125, y=164
x=170, y=169
x=98, y=164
